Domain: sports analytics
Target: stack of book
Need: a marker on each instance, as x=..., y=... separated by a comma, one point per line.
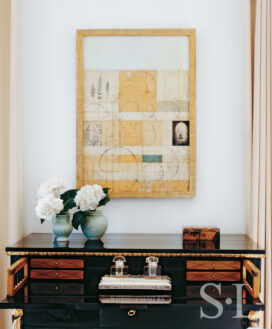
x=135, y=289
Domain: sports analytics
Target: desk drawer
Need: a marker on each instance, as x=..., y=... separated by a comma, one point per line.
x=118, y=318
x=227, y=291
x=56, y=263
x=57, y=274
x=213, y=276
x=56, y=288
x=213, y=265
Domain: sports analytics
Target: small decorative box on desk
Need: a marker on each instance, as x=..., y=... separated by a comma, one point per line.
x=201, y=234
x=58, y=287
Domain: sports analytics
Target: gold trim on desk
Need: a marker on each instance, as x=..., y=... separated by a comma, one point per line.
x=130, y=254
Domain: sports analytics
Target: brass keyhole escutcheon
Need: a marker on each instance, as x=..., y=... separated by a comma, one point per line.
x=131, y=313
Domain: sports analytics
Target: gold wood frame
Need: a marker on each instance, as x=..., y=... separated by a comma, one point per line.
x=255, y=273
x=13, y=287
x=191, y=33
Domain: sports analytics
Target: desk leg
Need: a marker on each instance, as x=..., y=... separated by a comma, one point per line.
x=17, y=315
x=254, y=319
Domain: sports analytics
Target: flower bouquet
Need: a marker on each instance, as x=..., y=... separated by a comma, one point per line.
x=54, y=204
x=93, y=223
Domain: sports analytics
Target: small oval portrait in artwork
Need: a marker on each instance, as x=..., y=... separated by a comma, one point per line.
x=180, y=133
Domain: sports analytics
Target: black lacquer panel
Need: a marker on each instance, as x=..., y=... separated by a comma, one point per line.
x=229, y=243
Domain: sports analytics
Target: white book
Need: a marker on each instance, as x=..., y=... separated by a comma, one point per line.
x=135, y=282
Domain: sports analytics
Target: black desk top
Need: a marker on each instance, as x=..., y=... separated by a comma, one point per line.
x=172, y=243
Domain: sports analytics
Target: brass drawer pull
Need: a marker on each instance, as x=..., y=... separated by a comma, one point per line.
x=57, y=274
x=131, y=313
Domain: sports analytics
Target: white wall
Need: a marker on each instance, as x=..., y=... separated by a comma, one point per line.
x=48, y=30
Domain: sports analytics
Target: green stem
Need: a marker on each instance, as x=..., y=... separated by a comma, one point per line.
x=65, y=203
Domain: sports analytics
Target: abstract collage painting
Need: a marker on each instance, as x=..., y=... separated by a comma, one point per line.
x=136, y=112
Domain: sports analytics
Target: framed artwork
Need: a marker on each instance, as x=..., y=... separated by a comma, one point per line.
x=136, y=111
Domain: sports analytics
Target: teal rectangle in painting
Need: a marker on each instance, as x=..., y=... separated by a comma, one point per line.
x=151, y=158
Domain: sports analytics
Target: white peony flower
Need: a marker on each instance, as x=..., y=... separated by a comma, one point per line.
x=48, y=207
x=51, y=186
x=98, y=192
x=89, y=196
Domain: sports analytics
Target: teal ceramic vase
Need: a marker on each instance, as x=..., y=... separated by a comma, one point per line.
x=62, y=227
x=94, y=225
